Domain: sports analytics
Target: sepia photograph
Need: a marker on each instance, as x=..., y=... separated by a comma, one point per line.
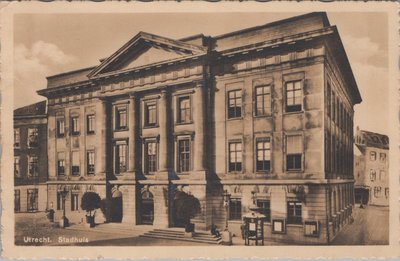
x=204, y=129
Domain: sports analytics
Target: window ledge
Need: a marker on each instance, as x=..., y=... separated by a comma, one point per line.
x=235, y=172
x=121, y=130
x=293, y=112
x=264, y=172
x=235, y=119
x=151, y=126
x=90, y=133
x=184, y=123
x=298, y=171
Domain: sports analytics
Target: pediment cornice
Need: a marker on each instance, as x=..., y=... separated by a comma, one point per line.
x=141, y=42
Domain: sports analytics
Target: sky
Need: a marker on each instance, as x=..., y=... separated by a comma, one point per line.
x=48, y=44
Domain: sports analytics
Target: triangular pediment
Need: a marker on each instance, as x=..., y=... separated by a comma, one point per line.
x=145, y=50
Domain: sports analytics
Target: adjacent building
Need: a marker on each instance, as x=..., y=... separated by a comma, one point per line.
x=371, y=168
x=258, y=116
x=30, y=158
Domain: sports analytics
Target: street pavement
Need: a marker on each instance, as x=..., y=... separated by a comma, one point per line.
x=370, y=227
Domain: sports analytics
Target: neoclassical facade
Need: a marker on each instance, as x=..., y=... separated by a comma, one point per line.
x=263, y=115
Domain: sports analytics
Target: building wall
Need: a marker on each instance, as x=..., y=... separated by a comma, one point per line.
x=24, y=151
x=377, y=176
x=23, y=197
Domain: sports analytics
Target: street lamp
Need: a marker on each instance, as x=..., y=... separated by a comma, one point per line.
x=64, y=220
x=226, y=196
x=226, y=235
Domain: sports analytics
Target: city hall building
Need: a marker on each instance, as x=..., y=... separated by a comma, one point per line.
x=258, y=116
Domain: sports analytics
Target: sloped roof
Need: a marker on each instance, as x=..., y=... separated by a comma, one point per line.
x=36, y=109
x=376, y=140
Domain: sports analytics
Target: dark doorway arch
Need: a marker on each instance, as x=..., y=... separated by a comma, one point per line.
x=147, y=211
x=116, y=205
x=186, y=206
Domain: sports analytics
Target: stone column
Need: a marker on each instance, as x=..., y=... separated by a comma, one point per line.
x=160, y=193
x=199, y=121
x=163, y=145
x=102, y=129
x=132, y=135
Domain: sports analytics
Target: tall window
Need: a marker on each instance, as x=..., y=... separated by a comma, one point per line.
x=33, y=167
x=120, y=157
x=184, y=109
x=60, y=128
x=333, y=107
x=75, y=163
x=235, y=209
x=234, y=104
x=294, y=152
x=235, y=156
x=90, y=162
x=386, y=192
x=121, y=118
x=60, y=164
x=263, y=100
x=60, y=202
x=17, y=200
x=33, y=137
x=90, y=123
x=17, y=173
x=263, y=155
x=382, y=175
x=294, y=212
x=382, y=157
x=32, y=200
x=17, y=138
x=328, y=100
x=377, y=192
x=151, y=157
x=74, y=202
x=372, y=175
x=293, y=96
x=75, y=125
x=150, y=114
x=183, y=155
x=265, y=208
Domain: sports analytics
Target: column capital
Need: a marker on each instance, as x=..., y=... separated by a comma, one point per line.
x=133, y=95
x=104, y=99
x=199, y=83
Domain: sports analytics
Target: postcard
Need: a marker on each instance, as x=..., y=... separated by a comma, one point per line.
x=199, y=130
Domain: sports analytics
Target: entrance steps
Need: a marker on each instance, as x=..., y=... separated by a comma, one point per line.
x=122, y=229
x=179, y=234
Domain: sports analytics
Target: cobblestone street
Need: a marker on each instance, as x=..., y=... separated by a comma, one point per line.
x=370, y=227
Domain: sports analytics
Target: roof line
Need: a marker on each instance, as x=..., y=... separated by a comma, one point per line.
x=71, y=72
x=274, y=23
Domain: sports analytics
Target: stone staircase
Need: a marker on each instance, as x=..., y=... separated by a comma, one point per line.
x=179, y=234
x=120, y=229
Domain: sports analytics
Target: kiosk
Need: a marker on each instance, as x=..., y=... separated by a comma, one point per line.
x=253, y=228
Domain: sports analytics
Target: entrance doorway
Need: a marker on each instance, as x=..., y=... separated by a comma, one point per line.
x=147, y=213
x=361, y=195
x=116, y=206
x=185, y=207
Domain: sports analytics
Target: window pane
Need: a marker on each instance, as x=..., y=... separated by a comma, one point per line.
x=294, y=144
